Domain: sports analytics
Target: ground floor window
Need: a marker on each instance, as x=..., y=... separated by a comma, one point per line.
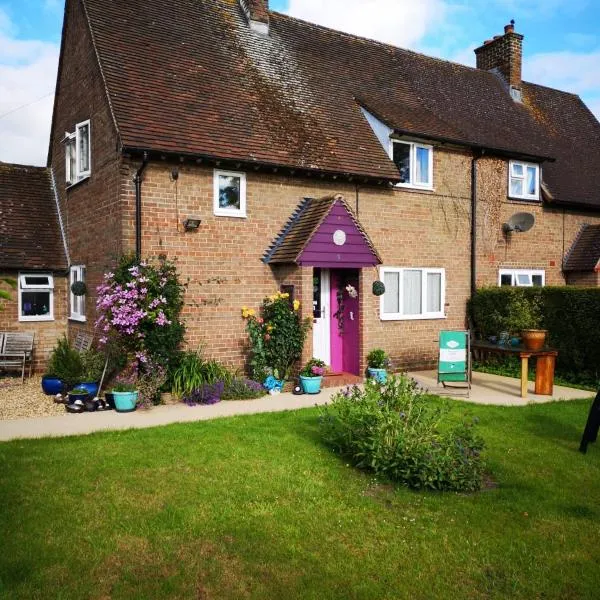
x=413, y=293
x=77, y=300
x=521, y=277
x=36, y=297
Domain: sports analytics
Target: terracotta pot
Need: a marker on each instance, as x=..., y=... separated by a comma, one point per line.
x=534, y=339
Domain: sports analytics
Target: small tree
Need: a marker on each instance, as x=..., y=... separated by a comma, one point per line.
x=5, y=294
x=277, y=336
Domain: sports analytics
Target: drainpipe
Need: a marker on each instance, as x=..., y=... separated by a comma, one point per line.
x=138, y=207
x=474, y=222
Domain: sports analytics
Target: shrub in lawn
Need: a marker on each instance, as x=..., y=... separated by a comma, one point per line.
x=396, y=432
x=193, y=372
x=241, y=388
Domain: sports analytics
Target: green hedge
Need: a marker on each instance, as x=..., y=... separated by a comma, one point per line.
x=570, y=314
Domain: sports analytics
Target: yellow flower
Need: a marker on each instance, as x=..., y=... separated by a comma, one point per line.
x=251, y=312
x=269, y=328
x=285, y=295
x=296, y=304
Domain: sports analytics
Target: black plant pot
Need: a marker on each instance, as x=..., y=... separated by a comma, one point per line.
x=110, y=399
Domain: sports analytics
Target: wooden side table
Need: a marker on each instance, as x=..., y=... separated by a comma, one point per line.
x=544, y=369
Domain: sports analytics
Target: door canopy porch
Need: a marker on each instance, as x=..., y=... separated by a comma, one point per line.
x=323, y=233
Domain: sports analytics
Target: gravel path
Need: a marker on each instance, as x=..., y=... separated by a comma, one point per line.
x=20, y=401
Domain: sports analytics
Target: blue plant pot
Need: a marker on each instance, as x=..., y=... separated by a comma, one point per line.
x=125, y=401
x=90, y=386
x=378, y=374
x=52, y=386
x=311, y=385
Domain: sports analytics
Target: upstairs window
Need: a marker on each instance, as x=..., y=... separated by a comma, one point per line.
x=78, y=153
x=413, y=294
x=36, y=297
x=77, y=302
x=229, y=194
x=415, y=163
x=524, y=181
x=521, y=278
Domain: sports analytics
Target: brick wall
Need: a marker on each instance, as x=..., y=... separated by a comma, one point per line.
x=543, y=247
x=46, y=332
x=583, y=279
x=91, y=209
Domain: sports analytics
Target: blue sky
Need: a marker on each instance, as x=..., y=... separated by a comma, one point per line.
x=561, y=47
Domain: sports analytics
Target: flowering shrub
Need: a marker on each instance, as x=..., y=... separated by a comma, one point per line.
x=138, y=309
x=396, y=431
x=241, y=388
x=378, y=359
x=277, y=336
x=207, y=393
x=313, y=368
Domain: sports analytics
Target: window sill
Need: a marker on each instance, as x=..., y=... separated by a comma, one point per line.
x=35, y=319
x=412, y=317
x=413, y=188
x=79, y=182
x=524, y=199
x=230, y=214
x=78, y=319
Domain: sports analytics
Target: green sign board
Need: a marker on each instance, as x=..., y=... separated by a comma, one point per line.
x=454, y=359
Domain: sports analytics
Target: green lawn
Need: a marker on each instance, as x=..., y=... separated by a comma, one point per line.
x=256, y=507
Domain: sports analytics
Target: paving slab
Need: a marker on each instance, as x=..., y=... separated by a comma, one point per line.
x=89, y=422
x=496, y=389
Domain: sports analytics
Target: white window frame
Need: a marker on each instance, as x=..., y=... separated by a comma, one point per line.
x=79, y=175
x=228, y=212
x=424, y=315
x=76, y=273
x=523, y=178
x=25, y=287
x=413, y=161
x=514, y=276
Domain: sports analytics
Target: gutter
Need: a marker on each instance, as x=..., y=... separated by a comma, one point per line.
x=138, y=179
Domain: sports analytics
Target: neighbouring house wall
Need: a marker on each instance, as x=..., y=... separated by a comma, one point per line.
x=46, y=332
x=583, y=279
x=543, y=247
x=90, y=209
x=221, y=262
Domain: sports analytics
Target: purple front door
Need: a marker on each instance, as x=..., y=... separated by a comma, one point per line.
x=345, y=334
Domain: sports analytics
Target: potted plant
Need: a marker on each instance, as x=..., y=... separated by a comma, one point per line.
x=64, y=369
x=125, y=395
x=92, y=366
x=377, y=364
x=78, y=393
x=525, y=318
x=311, y=376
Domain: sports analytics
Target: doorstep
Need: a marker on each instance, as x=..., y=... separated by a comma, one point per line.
x=341, y=379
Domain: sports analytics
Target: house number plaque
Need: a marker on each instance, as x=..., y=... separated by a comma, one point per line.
x=339, y=237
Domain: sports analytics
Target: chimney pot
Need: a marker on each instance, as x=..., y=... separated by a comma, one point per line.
x=510, y=28
x=257, y=13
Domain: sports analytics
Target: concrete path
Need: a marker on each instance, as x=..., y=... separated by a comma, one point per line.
x=487, y=389
x=84, y=423
x=494, y=389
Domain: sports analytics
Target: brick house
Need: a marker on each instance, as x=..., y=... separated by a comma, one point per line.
x=262, y=151
x=33, y=254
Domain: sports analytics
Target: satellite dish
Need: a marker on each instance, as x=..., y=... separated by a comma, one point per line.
x=519, y=223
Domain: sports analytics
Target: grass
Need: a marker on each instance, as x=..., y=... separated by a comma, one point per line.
x=256, y=507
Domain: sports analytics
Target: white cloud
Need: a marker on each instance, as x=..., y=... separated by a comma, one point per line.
x=400, y=22
x=27, y=73
x=575, y=72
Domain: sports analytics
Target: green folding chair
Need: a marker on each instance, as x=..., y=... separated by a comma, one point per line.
x=454, y=365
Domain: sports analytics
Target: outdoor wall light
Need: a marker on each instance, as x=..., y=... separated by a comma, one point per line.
x=192, y=223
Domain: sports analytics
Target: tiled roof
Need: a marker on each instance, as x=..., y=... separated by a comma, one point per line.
x=303, y=224
x=584, y=255
x=192, y=77
x=30, y=235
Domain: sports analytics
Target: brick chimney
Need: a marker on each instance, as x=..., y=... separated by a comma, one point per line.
x=257, y=13
x=503, y=55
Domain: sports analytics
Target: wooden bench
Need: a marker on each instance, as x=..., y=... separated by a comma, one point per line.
x=16, y=349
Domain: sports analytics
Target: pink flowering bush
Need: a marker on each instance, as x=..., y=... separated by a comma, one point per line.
x=138, y=309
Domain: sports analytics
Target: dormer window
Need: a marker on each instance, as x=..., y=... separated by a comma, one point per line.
x=78, y=153
x=415, y=163
x=523, y=180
